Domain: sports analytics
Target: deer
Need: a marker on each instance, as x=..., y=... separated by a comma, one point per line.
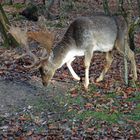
x=84, y=36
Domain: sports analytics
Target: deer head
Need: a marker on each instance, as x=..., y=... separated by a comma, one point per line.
x=46, y=39
x=47, y=72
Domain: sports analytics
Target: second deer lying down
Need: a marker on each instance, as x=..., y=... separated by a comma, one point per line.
x=83, y=37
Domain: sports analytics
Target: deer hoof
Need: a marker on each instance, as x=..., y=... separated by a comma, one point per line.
x=135, y=78
x=86, y=87
x=77, y=78
x=99, y=79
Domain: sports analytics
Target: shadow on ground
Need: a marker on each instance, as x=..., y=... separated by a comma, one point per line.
x=19, y=94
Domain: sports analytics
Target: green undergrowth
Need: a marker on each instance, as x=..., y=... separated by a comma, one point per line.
x=15, y=5
x=110, y=107
x=19, y=5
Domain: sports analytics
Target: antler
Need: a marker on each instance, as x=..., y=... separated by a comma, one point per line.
x=45, y=38
x=22, y=38
x=18, y=34
x=35, y=58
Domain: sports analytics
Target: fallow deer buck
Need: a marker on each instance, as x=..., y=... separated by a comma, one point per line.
x=83, y=37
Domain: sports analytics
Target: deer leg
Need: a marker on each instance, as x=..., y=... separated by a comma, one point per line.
x=131, y=58
x=75, y=76
x=88, y=57
x=109, y=60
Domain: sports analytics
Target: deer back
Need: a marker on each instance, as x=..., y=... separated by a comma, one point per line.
x=85, y=34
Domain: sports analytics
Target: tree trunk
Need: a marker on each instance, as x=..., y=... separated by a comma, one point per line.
x=11, y=2
x=3, y=17
x=106, y=7
x=8, y=39
x=48, y=6
x=138, y=1
x=44, y=2
x=4, y=35
x=123, y=13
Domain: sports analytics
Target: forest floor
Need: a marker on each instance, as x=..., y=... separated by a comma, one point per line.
x=64, y=110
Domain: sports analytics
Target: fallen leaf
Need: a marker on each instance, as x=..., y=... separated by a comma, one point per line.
x=97, y=94
x=73, y=92
x=88, y=105
x=22, y=118
x=90, y=130
x=125, y=95
x=29, y=133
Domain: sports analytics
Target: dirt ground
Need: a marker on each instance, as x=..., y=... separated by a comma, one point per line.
x=15, y=95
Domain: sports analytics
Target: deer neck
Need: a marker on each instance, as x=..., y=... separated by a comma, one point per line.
x=58, y=54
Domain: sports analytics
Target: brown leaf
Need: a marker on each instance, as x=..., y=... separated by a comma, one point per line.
x=97, y=94
x=1, y=71
x=90, y=130
x=73, y=92
x=88, y=105
x=23, y=118
x=29, y=133
x=129, y=90
x=125, y=95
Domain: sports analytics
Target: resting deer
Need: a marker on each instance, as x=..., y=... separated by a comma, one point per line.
x=83, y=37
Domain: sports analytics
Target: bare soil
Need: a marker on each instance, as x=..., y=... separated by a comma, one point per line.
x=18, y=94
